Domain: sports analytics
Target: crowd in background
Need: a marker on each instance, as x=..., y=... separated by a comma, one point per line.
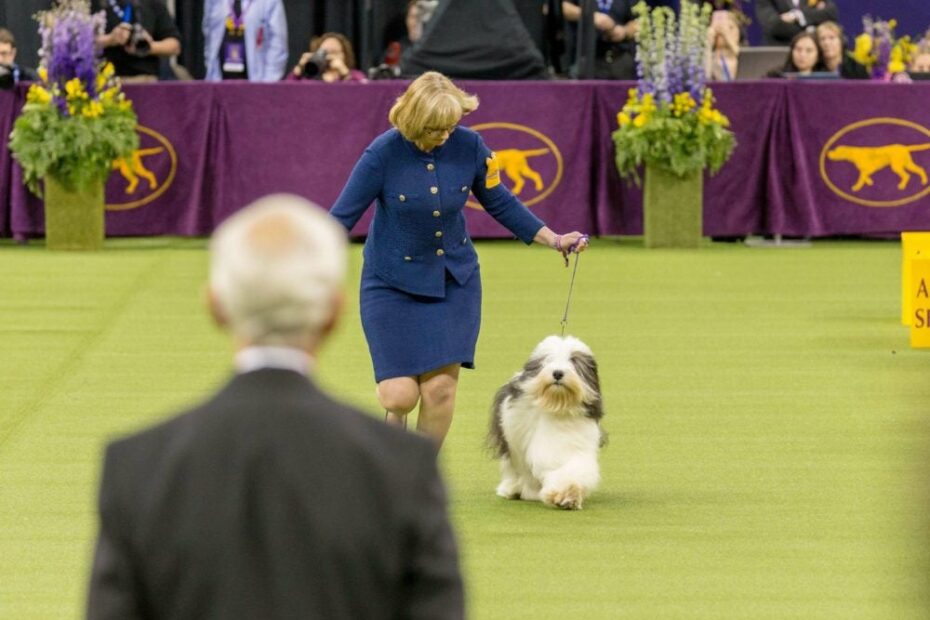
x=248, y=40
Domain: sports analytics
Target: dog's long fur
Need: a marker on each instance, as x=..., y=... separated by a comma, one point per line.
x=545, y=426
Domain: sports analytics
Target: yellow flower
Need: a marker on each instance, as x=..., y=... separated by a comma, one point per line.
x=862, y=51
x=93, y=110
x=108, y=70
x=640, y=120
x=892, y=23
x=75, y=89
x=623, y=119
x=37, y=94
x=107, y=95
x=43, y=74
x=895, y=66
x=682, y=104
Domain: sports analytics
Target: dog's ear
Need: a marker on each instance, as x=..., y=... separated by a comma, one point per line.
x=531, y=368
x=586, y=367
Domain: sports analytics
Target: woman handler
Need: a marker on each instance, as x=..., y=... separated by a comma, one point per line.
x=421, y=286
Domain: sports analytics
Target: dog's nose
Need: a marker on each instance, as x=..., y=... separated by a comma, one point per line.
x=557, y=375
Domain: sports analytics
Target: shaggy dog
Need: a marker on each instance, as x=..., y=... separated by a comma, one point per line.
x=545, y=426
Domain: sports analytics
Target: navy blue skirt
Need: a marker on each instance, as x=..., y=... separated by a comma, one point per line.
x=409, y=335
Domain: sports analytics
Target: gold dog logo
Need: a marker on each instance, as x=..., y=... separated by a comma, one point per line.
x=138, y=179
x=876, y=175
x=537, y=160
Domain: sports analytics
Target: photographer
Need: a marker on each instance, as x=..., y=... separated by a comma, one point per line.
x=330, y=59
x=138, y=33
x=10, y=72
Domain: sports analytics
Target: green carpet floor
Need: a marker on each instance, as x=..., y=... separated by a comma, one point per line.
x=768, y=425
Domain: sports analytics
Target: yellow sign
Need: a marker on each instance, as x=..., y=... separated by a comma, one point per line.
x=920, y=296
x=140, y=182
x=493, y=178
x=523, y=166
x=895, y=162
x=913, y=245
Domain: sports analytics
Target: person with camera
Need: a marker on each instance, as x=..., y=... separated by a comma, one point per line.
x=138, y=34
x=244, y=40
x=330, y=59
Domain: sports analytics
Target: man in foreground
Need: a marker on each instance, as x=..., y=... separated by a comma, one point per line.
x=271, y=500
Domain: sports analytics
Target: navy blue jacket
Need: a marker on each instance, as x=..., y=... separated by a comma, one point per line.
x=418, y=231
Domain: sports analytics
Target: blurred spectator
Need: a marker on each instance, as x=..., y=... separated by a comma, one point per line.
x=270, y=499
x=138, y=34
x=723, y=41
x=330, y=59
x=835, y=54
x=616, y=42
x=782, y=20
x=245, y=40
x=920, y=63
x=413, y=28
x=804, y=57
x=10, y=72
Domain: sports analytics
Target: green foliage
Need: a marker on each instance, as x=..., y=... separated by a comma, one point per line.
x=77, y=150
x=673, y=137
x=669, y=119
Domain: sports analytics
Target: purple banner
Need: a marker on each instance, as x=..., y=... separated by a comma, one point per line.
x=8, y=109
x=851, y=160
x=813, y=159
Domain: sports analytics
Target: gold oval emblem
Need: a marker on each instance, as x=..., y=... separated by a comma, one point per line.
x=869, y=167
x=138, y=175
x=523, y=175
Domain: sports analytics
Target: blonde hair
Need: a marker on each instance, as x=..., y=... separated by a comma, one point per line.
x=431, y=101
x=833, y=27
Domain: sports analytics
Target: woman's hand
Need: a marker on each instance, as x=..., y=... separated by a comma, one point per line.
x=573, y=242
x=338, y=65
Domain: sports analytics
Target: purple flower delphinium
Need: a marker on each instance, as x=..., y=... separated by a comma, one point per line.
x=69, y=48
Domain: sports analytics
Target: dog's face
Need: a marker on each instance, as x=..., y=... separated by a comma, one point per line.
x=562, y=376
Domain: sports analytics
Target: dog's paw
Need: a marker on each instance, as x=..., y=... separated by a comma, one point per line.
x=509, y=490
x=567, y=498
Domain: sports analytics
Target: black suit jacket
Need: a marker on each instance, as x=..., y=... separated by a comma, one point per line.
x=272, y=501
x=777, y=31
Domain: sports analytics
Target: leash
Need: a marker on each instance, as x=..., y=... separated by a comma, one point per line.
x=571, y=285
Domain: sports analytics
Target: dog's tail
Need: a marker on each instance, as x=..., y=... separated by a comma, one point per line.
x=496, y=442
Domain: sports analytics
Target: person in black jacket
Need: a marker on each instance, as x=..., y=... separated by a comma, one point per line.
x=10, y=72
x=781, y=20
x=271, y=500
x=616, y=26
x=836, y=55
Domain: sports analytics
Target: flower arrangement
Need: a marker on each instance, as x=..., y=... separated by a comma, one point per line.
x=76, y=121
x=877, y=48
x=669, y=119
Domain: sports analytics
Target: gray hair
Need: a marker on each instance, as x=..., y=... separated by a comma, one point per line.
x=277, y=268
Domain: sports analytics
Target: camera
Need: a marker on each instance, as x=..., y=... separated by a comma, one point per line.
x=317, y=64
x=139, y=41
x=384, y=71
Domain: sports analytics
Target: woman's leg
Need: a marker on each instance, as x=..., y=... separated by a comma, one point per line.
x=437, y=401
x=398, y=396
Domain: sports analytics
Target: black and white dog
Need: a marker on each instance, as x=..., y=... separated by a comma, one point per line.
x=545, y=426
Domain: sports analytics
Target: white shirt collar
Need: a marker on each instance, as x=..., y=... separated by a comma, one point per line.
x=285, y=358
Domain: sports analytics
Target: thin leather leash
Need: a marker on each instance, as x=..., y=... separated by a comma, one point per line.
x=571, y=285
